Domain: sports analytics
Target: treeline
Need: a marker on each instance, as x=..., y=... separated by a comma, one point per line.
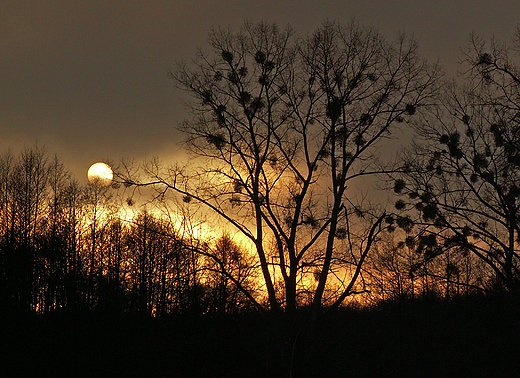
x=283, y=129
x=66, y=247
x=69, y=248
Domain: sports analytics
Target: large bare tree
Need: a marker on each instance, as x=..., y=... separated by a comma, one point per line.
x=281, y=128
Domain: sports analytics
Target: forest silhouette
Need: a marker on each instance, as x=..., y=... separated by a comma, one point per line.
x=422, y=279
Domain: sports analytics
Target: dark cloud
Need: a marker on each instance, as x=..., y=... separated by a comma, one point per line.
x=88, y=79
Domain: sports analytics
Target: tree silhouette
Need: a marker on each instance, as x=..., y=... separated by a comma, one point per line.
x=96, y=205
x=463, y=176
x=282, y=127
x=6, y=167
x=52, y=256
x=25, y=181
x=65, y=248
x=231, y=275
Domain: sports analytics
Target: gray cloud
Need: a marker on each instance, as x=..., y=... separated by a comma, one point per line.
x=88, y=79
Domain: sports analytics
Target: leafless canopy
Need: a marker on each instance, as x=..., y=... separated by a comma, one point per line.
x=281, y=126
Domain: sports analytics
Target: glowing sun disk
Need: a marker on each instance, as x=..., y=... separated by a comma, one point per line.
x=100, y=174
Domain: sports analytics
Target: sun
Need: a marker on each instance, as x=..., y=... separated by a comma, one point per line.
x=100, y=174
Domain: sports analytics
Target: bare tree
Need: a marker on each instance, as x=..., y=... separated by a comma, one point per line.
x=39, y=225
x=97, y=211
x=391, y=272
x=72, y=223
x=463, y=176
x=6, y=224
x=52, y=245
x=28, y=185
x=282, y=127
x=230, y=274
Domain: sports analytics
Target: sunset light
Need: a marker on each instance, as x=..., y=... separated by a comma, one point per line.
x=260, y=189
x=100, y=174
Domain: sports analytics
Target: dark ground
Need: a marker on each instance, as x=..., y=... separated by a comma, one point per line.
x=477, y=337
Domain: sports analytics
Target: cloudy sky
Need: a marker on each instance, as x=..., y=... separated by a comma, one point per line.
x=88, y=79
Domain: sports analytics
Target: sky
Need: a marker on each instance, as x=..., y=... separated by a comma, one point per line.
x=89, y=79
